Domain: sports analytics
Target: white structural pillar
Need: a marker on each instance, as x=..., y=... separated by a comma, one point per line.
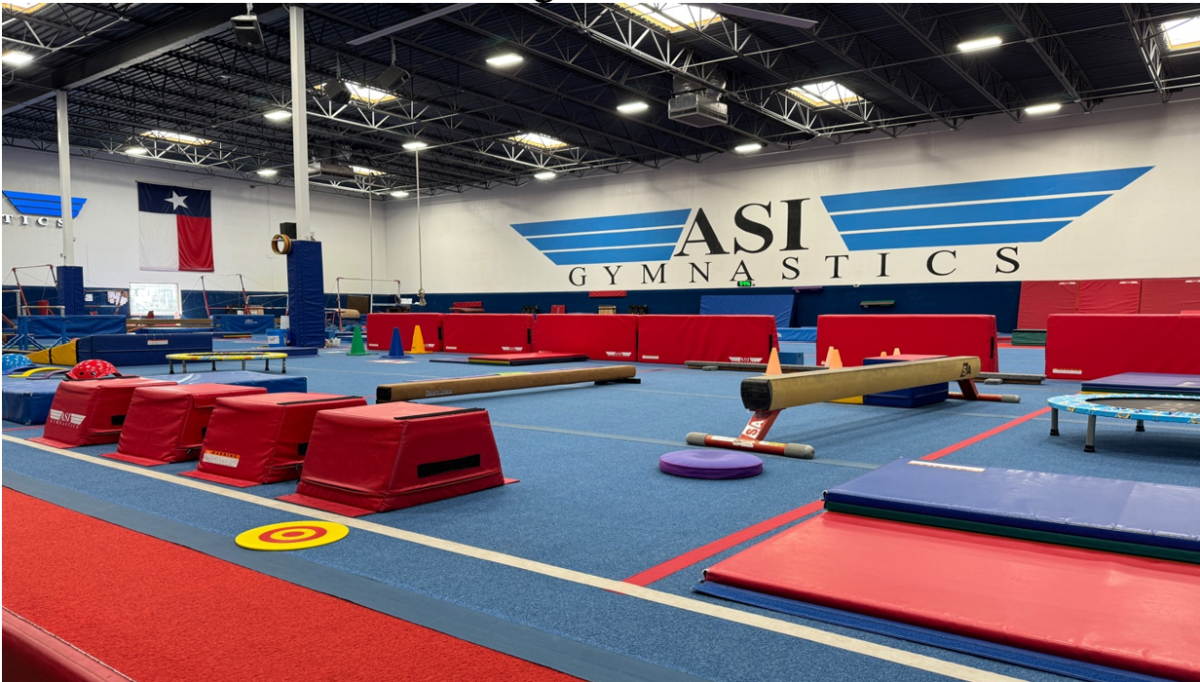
x=300, y=122
x=64, y=180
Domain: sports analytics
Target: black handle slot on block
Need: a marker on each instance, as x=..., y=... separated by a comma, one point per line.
x=118, y=419
x=434, y=468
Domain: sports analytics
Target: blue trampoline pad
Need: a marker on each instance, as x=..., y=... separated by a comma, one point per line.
x=1145, y=382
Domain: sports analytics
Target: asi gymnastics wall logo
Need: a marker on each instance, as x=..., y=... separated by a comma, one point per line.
x=44, y=205
x=632, y=238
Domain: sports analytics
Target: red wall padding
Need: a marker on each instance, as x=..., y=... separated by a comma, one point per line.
x=380, y=326
x=1170, y=296
x=1109, y=297
x=1039, y=300
x=675, y=339
x=602, y=337
x=866, y=336
x=1083, y=347
x=487, y=333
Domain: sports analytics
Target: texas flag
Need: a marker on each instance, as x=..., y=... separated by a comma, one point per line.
x=175, y=225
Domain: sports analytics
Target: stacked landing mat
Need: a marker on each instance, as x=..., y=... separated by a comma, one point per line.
x=1145, y=382
x=1067, y=609
x=518, y=359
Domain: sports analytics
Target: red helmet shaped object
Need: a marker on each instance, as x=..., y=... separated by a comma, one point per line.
x=92, y=369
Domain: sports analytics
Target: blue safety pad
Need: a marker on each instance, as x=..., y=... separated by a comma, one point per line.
x=51, y=326
x=140, y=349
x=27, y=401
x=1145, y=382
x=777, y=306
x=306, y=294
x=798, y=334
x=243, y=324
x=1125, y=511
x=173, y=330
x=70, y=289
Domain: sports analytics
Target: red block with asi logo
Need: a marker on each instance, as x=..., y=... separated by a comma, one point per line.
x=92, y=411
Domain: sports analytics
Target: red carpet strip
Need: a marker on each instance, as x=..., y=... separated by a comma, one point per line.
x=156, y=611
x=986, y=434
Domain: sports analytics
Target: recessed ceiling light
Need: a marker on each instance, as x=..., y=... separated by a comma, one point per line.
x=1038, y=109
x=632, y=107
x=180, y=138
x=538, y=141
x=979, y=44
x=545, y=175
x=364, y=93
x=136, y=151
x=824, y=94
x=268, y=172
x=399, y=194
x=748, y=148
x=278, y=115
x=505, y=59
x=414, y=145
x=17, y=58
x=1182, y=34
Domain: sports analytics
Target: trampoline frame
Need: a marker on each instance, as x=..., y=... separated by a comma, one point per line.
x=1083, y=403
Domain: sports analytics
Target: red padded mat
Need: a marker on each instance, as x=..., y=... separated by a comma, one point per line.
x=380, y=326
x=487, y=333
x=1170, y=296
x=601, y=337
x=1122, y=611
x=1040, y=300
x=527, y=358
x=675, y=339
x=866, y=336
x=1083, y=347
x=1109, y=296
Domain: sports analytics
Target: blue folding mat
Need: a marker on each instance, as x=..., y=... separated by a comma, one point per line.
x=1144, y=382
x=1130, y=517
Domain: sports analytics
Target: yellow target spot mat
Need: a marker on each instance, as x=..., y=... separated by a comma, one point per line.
x=280, y=537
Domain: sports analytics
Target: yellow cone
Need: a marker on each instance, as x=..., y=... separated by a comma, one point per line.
x=773, y=364
x=418, y=342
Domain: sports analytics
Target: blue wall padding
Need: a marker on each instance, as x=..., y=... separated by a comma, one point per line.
x=70, y=289
x=1126, y=511
x=306, y=294
x=245, y=324
x=798, y=334
x=51, y=326
x=778, y=306
x=173, y=330
x=124, y=350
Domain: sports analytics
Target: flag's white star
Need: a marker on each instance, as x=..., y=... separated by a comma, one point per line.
x=177, y=200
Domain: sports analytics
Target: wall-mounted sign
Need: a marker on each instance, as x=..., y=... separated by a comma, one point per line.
x=39, y=209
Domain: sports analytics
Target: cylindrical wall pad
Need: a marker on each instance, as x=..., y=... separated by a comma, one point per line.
x=781, y=391
x=413, y=390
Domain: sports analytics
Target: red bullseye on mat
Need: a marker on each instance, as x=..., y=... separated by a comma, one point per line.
x=292, y=535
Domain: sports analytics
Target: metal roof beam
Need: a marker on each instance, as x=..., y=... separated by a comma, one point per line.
x=1142, y=26
x=1053, y=52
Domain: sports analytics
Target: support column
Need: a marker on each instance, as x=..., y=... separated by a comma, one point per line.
x=299, y=122
x=64, y=180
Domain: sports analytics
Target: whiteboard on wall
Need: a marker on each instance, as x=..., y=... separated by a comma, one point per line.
x=163, y=299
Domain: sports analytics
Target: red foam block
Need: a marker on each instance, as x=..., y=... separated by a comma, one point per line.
x=675, y=339
x=91, y=412
x=1121, y=611
x=601, y=337
x=866, y=336
x=487, y=333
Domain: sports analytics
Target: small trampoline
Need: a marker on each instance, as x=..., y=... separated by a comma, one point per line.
x=1140, y=407
x=710, y=464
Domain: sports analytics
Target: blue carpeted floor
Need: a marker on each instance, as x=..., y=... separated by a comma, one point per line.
x=592, y=500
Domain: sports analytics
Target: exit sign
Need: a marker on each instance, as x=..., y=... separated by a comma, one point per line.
x=746, y=283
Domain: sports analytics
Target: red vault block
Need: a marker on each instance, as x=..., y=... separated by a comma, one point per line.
x=91, y=412
x=396, y=455
x=262, y=438
x=167, y=423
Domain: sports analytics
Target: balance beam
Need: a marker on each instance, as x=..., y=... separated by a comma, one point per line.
x=436, y=388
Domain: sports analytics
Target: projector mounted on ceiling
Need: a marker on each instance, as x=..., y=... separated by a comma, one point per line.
x=696, y=105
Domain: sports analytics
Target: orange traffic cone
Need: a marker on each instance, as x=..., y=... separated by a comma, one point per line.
x=418, y=343
x=895, y=352
x=773, y=364
x=833, y=360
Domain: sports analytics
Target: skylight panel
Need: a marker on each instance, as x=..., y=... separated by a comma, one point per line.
x=363, y=170
x=538, y=141
x=24, y=7
x=178, y=138
x=824, y=94
x=672, y=16
x=364, y=93
x=1182, y=34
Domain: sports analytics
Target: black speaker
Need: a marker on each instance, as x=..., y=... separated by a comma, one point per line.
x=288, y=230
x=247, y=30
x=337, y=91
x=391, y=78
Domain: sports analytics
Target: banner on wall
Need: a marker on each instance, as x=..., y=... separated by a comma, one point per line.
x=174, y=228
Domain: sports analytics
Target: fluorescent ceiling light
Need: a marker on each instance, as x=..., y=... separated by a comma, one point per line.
x=17, y=58
x=1182, y=34
x=632, y=107
x=136, y=151
x=747, y=148
x=278, y=115
x=414, y=145
x=399, y=194
x=364, y=93
x=179, y=138
x=824, y=94
x=268, y=172
x=363, y=170
x=979, y=44
x=672, y=16
x=538, y=141
x=1038, y=109
x=545, y=175
x=24, y=6
x=505, y=59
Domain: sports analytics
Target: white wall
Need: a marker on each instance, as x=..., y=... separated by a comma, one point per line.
x=245, y=217
x=1148, y=229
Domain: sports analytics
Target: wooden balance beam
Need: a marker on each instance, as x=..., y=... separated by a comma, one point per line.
x=768, y=395
x=435, y=388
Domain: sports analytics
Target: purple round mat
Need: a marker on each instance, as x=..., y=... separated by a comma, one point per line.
x=710, y=464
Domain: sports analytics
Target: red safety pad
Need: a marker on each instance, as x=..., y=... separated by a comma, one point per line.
x=675, y=339
x=1122, y=611
x=1082, y=347
x=397, y=455
x=1040, y=300
x=380, y=326
x=91, y=412
x=601, y=337
x=515, y=359
x=487, y=333
x=262, y=438
x=866, y=336
x=1110, y=296
x=1170, y=296
x=167, y=423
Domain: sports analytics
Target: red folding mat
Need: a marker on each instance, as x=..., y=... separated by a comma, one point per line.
x=1170, y=296
x=1110, y=296
x=1117, y=610
x=487, y=333
x=91, y=412
x=601, y=337
x=866, y=336
x=380, y=326
x=396, y=455
x=1083, y=347
x=1039, y=300
x=167, y=423
x=675, y=339
x=262, y=438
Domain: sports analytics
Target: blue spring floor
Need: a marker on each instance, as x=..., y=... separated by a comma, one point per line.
x=591, y=506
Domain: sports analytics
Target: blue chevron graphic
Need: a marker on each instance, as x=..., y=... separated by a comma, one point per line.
x=1007, y=211
x=29, y=203
x=629, y=238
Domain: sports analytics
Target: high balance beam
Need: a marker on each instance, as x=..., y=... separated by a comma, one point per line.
x=768, y=395
x=435, y=388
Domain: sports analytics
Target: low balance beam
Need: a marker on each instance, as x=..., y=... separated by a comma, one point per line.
x=434, y=388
